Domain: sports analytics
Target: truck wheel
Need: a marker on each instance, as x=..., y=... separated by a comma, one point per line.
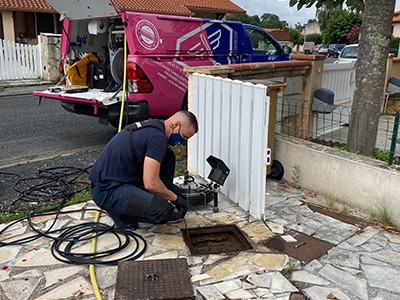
x=277, y=170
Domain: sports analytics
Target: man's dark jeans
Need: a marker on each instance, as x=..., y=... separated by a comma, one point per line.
x=133, y=204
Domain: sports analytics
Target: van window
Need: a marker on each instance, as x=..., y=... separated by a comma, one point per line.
x=262, y=43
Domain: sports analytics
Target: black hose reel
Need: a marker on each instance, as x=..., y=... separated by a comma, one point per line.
x=198, y=194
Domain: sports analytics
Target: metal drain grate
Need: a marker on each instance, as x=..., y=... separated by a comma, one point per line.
x=215, y=239
x=166, y=279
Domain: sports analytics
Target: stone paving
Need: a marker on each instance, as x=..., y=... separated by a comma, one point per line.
x=363, y=264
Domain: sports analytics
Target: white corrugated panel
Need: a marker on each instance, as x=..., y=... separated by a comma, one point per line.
x=233, y=126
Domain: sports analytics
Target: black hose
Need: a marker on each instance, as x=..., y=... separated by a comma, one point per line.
x=54, y=187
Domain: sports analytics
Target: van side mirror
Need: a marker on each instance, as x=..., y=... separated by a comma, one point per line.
x=286, y=49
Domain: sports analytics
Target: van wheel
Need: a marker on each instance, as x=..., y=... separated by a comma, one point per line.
x=277, y=170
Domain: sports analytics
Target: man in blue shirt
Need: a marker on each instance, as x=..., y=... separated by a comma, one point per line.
x=132, y=179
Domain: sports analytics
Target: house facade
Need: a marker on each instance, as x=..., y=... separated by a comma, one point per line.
x=311, y=28
x=23, y=20
x=396, y=24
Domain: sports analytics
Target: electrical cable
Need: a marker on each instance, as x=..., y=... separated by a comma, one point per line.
x=56, y=186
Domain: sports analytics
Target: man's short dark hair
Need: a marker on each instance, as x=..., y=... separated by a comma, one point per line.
x=192, y=119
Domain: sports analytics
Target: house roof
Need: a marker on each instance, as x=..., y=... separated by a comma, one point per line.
x=396, y=17
x=224, y=6
x=26, y=5
x=174, y=7
x=278, y=34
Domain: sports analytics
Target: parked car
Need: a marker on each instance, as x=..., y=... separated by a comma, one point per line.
x=158, y=48
x=335, y=49
x=348, y=54
x=321, y=49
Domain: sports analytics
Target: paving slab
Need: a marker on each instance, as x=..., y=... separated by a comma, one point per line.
x=363, y=264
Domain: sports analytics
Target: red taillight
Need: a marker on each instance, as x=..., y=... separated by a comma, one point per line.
x=138, y=82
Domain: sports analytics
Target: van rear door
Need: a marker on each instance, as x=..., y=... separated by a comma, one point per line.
x=83, y=9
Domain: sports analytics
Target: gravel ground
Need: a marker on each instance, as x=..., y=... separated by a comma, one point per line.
x=23, y=176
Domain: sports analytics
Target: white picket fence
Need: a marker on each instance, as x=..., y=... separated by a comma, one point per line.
x=234, y=128
x=19, y=61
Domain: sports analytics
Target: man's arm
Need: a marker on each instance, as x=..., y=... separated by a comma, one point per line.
x=152, y=181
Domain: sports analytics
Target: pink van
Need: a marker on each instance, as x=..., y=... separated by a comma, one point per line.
x=98, y=45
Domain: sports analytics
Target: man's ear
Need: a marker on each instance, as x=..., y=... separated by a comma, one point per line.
x=175, y=124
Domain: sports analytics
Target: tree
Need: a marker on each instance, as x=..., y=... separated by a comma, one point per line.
x=314, y=37
x=254, y=20
x=266, y=20
x=272, y=21
x=325, y=16
x=298, y=26
x=375, y=33
x=354, y=34
x=295, y=36
x=337, y=30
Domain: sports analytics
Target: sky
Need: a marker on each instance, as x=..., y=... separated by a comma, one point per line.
x=282, y=9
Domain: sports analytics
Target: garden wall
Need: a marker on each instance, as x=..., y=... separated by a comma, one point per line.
x=357, y=181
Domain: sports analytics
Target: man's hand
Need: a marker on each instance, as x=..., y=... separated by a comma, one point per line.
x=181, y=206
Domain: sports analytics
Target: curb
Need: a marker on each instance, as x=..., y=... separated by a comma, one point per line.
x=20, y=88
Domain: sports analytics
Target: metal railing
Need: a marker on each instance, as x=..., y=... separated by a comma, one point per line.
x=331, y=128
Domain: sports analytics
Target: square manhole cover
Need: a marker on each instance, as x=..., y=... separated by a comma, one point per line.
x=306, y=248
x=215, y=239
x=166, y=279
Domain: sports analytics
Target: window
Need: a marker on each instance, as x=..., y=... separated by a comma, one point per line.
x=45, y=23
x=262, y=43
x=350, y=52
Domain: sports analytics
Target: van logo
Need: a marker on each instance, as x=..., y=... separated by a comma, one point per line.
x=147, y=35
x=215, y=39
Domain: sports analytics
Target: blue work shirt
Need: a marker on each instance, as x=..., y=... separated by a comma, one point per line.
x=116, y=165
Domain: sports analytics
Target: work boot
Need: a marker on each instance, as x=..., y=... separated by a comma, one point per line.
x=175, y=217
x=124, y=222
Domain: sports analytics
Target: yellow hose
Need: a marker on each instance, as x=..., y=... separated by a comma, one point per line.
x=121, y=114
x=92, y=272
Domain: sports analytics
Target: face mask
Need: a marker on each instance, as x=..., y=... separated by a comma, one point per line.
x=176, y=139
